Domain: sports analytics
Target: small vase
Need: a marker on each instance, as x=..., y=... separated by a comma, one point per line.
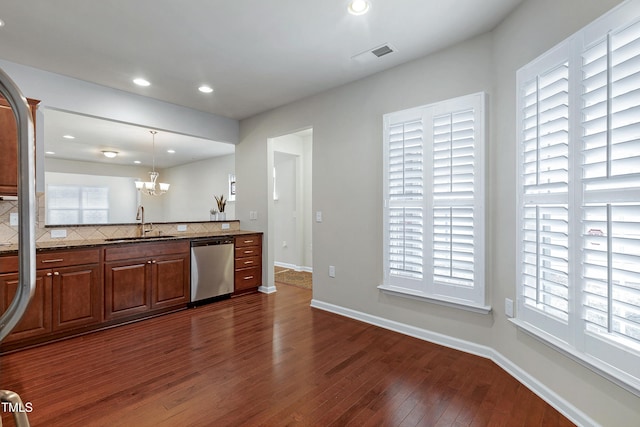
x=212, y=217
x=222, y=216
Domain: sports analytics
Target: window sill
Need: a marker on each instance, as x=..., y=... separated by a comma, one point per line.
x=627, y=382
x=439, y=300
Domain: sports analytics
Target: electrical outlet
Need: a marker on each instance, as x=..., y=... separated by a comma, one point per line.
x=253, y=215
x=332, y=271
x=13, y=218
x=58, y=234
x=508, y=307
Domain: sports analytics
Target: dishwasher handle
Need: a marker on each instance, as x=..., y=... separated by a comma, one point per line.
x=211, y=242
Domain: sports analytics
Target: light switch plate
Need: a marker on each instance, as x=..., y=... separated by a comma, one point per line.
x=319, y=216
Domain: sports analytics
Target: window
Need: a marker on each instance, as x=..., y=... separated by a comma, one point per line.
x=579, y=196
x=434, y=202
x=70, y=204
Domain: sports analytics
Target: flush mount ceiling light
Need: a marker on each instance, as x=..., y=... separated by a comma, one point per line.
x=149, y=187
x=205, y=89
x=137, y=162
x=68, y=137
x=1, y=23
x=141, y=82
x=358, y=7
x=110, y=154
x=170, y=151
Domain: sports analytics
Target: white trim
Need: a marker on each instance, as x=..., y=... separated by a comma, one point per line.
x=267, y=289
x=617, y=377
x=293, y=266
x=435, y=299
x=574, y=414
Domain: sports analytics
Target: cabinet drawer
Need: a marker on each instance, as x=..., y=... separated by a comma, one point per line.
x=145, y=250
x=248, y=240
x=248, y=278
x=248, y=251
x=53, y=259
x=67, y=258
x=253, y=261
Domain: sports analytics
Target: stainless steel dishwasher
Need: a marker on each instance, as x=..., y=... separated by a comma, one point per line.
x=211, y=269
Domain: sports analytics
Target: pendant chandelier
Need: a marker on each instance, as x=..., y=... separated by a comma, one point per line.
x=149, y=187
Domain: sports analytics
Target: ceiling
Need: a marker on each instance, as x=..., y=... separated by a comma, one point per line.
x=93, y=135
x=257, y=55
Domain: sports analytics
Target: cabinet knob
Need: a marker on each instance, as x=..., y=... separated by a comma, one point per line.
x=49, y=274
x=153, y=262
x=149, y=262
x=56, y=273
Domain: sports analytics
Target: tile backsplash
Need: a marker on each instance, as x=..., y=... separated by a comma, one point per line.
x=9, y=233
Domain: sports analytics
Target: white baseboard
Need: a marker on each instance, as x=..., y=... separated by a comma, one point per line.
x=267, y=289
x=567, y=409
x=293, y=267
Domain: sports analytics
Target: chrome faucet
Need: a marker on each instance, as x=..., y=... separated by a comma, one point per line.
x=140, y=217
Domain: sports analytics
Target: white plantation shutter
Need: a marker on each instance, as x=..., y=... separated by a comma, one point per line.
x=405, y=195
x=579, y=200
x=454, y=141
x=611, y=187
x=544, y=136
x=434, y=216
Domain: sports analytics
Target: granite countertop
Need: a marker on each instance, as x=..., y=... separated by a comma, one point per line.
x=74, y=244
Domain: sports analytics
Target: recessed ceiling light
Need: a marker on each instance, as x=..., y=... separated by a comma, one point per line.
x=137, y=162
x=171, y=151
x=68, y=137
x=110, y=154
x=205, y=89
x=141, y=82
x=49, y=152
x=1, y=23
x=358, y=7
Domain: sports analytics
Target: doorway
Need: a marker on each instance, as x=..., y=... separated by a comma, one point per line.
x=290, y=209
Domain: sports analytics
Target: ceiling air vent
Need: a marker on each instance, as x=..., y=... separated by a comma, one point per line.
x=373, y=54
x=382, y=51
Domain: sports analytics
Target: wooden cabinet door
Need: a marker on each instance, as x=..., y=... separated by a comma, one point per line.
x=170, y=280
x=9, y=147
x=127, y=288
x=36, y=321
x=77, y=296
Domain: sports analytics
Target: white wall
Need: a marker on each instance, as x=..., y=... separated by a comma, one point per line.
x=189, y=198
x=298, y=144
x=347, y=183
x=286, y=233
x=193, y=186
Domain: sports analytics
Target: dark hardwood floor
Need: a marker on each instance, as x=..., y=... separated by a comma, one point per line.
x=264, y=360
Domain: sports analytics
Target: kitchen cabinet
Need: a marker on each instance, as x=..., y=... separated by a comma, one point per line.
x=68, y=293
x=145, y=277
x=247, y=263
x=9, y=147
x=36, y=321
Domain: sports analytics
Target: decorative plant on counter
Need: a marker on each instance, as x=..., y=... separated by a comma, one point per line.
x=221, y=202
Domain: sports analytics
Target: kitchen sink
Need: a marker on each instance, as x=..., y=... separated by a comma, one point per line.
x=129, y=239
